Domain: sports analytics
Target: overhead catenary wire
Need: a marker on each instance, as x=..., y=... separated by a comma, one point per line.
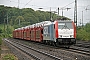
x=44, y=6
x=19, y=2
x=64, y=7
x=68, y=4
x=27, y=3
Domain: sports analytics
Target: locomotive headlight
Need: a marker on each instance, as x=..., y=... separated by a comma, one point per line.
x=71, y=36
x=60, y=35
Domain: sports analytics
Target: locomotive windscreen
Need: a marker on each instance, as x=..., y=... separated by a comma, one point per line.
x=65, y=25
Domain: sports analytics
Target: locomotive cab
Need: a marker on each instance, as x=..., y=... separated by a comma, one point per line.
x=65, y=32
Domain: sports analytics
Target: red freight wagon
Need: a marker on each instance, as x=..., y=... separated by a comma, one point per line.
x=17, y=34
x=22, y=33
x=39, y=31
x=33, y=32
x=28, y=33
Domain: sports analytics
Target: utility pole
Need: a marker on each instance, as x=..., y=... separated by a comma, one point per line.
x=82, y=18
x=62, y=14
x=7, y=23
x=18, y=3
x=50, y=14
x=63, y=10
x=58, y=13
x=4, y=28
x=19, y=13
x=75, y=13
x=80, y=22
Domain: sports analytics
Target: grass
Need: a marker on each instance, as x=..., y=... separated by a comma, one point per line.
x=0, y=40
x=1, y=26
x=0, y=43
x=3, y=34
x=6, y=55
x=9, y=57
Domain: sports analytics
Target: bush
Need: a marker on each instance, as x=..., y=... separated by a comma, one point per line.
x=9, y=57
x=0, y=40
x=0, y=30
x=0, y=43
x=82, y=35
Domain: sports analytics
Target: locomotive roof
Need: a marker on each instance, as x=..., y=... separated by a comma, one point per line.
x=64, y=20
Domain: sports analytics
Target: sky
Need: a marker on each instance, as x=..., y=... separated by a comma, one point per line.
x=54, y=4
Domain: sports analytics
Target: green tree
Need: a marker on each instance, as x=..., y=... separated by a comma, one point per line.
x=19, y=18
x=0, y=30
x=83, y=33
x=25, y=16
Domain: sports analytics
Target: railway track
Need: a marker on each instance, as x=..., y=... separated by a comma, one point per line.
x=81, y=47
x=80, y=50
x=74, y=48
x=85, y=44
x=36, y=54
x=65, y=54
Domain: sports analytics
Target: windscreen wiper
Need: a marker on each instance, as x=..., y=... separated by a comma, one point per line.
x=65, y=26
